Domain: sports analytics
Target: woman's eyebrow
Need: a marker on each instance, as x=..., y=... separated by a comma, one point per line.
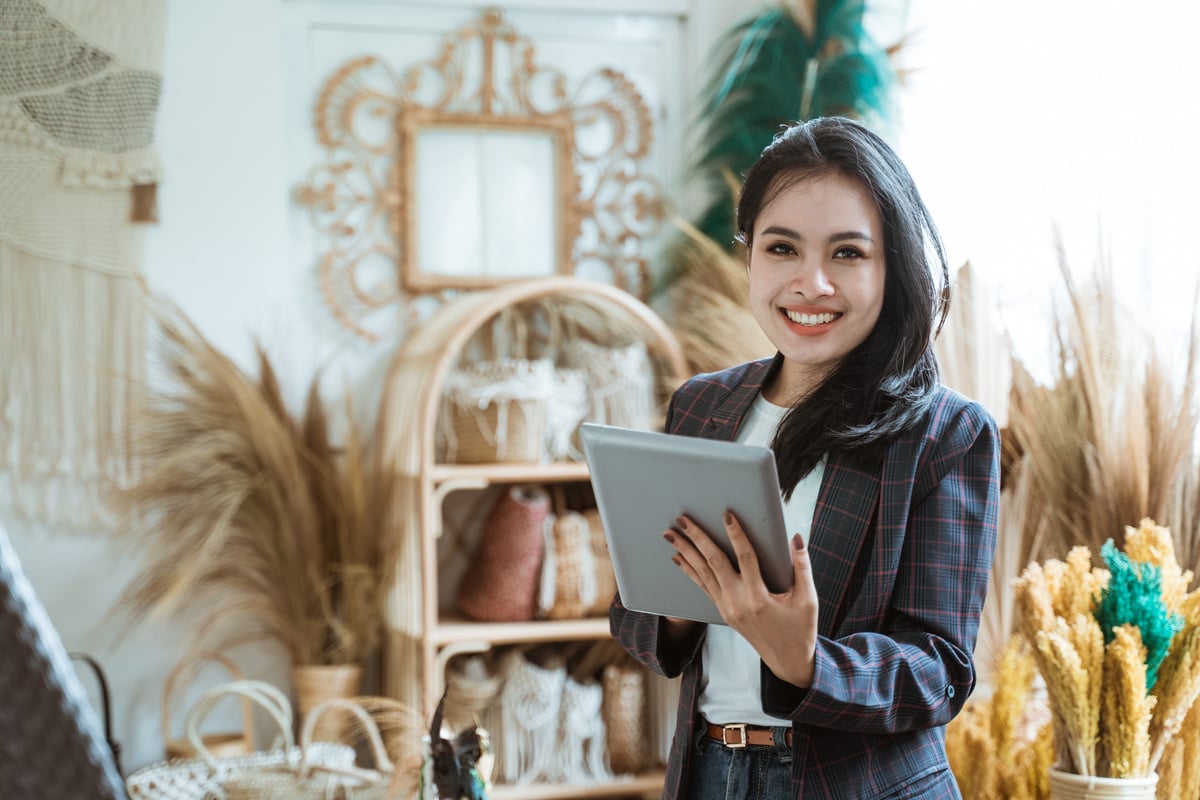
x=841, y=236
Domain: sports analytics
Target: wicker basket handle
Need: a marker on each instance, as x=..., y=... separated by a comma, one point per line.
x=260, y=692
x=235, y=673
x=105, y=705
x=383, y=764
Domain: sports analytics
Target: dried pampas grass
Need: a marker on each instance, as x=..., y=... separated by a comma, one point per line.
x=710, y=305
x=248, y=515
x=1112, y=439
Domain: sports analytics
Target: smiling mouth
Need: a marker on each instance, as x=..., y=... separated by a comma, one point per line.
x=809, y=320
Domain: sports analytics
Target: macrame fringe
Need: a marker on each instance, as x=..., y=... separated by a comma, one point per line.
x=581, y=755
x=530, y=703
x=72, y=346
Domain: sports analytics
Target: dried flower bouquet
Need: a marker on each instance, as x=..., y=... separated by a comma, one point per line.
x=1118, y=650
x=250, y=517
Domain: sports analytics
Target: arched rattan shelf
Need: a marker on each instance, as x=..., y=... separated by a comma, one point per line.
x=418, y=642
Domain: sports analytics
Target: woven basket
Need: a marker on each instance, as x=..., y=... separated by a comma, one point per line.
x=225, y=743
x=624, y=713
x=307, y=779
x=470, y=688
x=206, y=776
x=501, y=584
x=577, y=573
x=566, y=407
x=620, y=382
x=495, y=411
x=316, y=684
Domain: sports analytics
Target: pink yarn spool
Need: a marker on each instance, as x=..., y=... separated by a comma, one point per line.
x=501, y=585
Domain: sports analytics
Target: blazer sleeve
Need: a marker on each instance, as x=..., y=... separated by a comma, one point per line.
x=644, y=636
x=917, y=671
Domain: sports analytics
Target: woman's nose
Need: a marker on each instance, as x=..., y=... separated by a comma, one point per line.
x=812, y=280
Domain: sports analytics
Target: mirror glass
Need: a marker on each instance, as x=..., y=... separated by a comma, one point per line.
x=486, y=206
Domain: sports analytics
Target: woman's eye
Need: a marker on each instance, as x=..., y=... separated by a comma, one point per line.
x=848, y=252
x=780, y=248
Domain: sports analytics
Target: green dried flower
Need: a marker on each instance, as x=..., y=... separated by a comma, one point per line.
x=1134, y=597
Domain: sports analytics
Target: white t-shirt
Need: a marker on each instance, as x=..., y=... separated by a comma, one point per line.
x=731, y=684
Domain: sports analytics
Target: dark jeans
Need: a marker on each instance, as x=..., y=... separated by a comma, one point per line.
x=758, y=772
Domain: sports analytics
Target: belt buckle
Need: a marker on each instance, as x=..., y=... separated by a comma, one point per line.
x=736, y=726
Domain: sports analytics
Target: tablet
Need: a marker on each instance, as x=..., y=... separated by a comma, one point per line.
x=644, y=480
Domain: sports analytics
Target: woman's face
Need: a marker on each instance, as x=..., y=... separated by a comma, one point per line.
x=817, y=268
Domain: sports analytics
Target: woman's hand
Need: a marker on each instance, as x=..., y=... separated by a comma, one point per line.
x=781, y=627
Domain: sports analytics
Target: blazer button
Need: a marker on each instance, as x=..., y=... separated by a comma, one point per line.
x=949, y=691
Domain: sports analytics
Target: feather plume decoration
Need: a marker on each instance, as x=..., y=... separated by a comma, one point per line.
x=252, y=517
x=788, y=62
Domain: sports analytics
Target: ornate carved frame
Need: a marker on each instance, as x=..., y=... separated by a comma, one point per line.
x=360, y=197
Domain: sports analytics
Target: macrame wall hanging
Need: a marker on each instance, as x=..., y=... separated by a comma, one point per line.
x=79, y=89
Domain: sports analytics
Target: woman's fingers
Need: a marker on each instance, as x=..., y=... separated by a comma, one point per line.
x=803, y=587
x=747, y=559
x=713, y=557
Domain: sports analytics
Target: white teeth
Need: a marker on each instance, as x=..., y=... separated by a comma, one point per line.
x=810, y=319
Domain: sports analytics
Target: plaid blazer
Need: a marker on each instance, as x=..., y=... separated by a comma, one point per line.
x=900, y=559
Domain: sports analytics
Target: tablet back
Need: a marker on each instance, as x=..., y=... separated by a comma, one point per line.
x=644, y=480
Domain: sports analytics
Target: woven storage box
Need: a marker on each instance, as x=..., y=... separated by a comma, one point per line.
x=577, y=572
x=624, y=713
x=495, y=411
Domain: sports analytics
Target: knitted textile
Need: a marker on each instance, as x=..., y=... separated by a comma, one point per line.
x=79, y=88
x=51, y=742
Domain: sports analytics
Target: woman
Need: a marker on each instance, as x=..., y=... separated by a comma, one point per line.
x=841, y=687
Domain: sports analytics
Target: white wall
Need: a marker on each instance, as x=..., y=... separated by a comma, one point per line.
x=224, y=252
x=1027, y=118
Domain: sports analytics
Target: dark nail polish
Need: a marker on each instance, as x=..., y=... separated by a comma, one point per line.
x=670, y=537
x=728, y=518
x=798, y=542
x=681, y=522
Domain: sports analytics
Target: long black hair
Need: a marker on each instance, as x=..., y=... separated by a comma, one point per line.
x=887, y=383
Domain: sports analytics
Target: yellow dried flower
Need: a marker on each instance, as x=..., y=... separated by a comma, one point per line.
x=970, y=752
x=1189, y=735
x=1178, y=777
x=1170, y=773
x=997, y=745
x=1078, y=589
x=1152, y=544
x=1014, y=678
x=1067, y=686
x=1088, y=639
x=1042, y=758
x=1034, y=604
x=1055, y=572
x=1176, y=690
x=1126, y=708
x=1189, y=608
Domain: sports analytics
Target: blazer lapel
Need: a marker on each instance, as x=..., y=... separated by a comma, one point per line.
x=838, y=533
x=725, y=419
